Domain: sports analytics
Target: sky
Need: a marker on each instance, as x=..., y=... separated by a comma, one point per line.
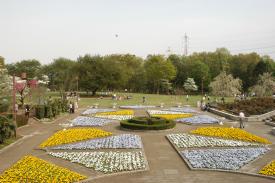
x=48, y=29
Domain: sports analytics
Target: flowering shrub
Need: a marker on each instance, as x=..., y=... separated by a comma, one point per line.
x=93, y=111
x=73, y=135
x=227, y=159
x=32, y=169
x=106, y=162
x=121, y=112
x=172, y=116
x=200, y=119
x=90, y=121
x=268, y=169
x=119, y=141
x=230, y=133
x=187, y=141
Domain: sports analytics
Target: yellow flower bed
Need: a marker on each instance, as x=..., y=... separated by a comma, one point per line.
x=32, y=169
x=268, y=169
x=172, y=116
x=73, y=135
x=121, y=112
x=230, y=133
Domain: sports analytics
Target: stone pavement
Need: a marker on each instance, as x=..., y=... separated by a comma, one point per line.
x=165, y=164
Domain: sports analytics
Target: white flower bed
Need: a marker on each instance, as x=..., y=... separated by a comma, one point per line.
x=182, y=109
x=119, y=141
x=115, y=117
x=136, y=106
x=226, y=159
x=106, y=162
x=186, y=141
x=200, y=119
x=152, y=112
x=93, y=111
x=90, y=121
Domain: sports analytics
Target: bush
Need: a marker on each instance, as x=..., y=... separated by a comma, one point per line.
x=7, y=128
x=148, y=123
x=21, y=120
x=40, y=111
x=254, y=106
x=48, y=111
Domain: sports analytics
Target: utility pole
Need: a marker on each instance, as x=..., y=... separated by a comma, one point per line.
x=185, y=44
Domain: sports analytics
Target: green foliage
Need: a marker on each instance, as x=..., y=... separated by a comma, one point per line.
x=21, y=120
x=148, y=123
x=7, y=129
x=40, y=111
x=158, y=68
x=31, y=67
x=225, y=85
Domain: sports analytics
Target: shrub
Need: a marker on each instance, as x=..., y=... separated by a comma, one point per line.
x=7, y=128
x=254, y=106
x=40, y=111
x=146, y=123
x=48, y=111
x=21, y=120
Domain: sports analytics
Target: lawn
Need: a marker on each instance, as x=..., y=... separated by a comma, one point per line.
x=151, y=99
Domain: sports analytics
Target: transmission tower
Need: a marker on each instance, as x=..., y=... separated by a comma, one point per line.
x=186, y=44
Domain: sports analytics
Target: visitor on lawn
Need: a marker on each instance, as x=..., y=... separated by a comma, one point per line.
x=143, y=99
x=242, y=116
x=70, y=107
x=187, y=98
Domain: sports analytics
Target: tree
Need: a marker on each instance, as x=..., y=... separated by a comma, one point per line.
x=158, y=68
x=61, y=74
x=31, y=67
x=225, y=85
x=190, y=85
x=265, y=85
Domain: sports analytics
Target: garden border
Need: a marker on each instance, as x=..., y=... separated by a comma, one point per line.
x=237, y=118
x=218, y=170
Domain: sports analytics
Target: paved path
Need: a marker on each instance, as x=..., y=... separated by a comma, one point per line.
x=165, y=164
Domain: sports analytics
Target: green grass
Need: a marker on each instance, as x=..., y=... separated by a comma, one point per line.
x=151, y=99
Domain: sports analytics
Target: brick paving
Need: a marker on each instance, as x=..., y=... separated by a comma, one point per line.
x=165, y=164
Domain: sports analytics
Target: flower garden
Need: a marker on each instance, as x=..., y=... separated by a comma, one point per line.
x=104, y=152
x=220, y=148
x=32, y=169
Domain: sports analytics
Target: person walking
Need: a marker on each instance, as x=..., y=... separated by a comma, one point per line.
x=27, y=111
x=187, y=98
x=71, y=108
x=143, y=99
x=242, y=116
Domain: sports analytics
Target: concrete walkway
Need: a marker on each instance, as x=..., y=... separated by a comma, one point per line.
x=165, y=164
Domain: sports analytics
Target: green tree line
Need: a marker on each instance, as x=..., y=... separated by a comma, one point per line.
x=154, y=74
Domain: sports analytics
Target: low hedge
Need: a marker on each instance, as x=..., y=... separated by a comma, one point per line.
x=21, y=120
x=146, y=123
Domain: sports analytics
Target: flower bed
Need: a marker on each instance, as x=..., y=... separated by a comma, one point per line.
x=183, y=110
x=106, y=162
x=172, y=116
x=119, y=141
x=230, y=133
x=115, y=117
x=93, y=111
x=186, y=141
x=268, y=169
x=200, y=119
x=112, y=113
x=32, y=169
x=153, y=112
x=73, y=135
x=136, y=106
x=225, y=159
x=90, y=121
